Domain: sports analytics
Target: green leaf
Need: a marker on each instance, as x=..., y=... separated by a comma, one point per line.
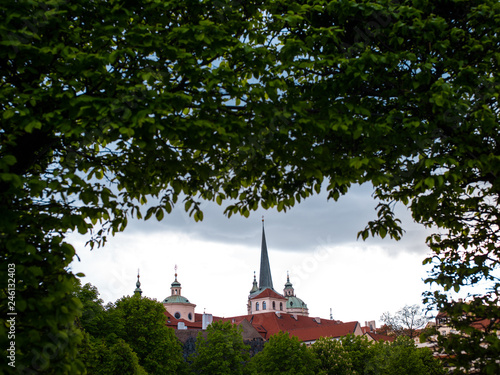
x=159, y=213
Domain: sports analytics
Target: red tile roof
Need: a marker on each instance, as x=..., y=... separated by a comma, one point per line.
x=380, y=337
x=268, y=324
x=268, y=292
x=483, y=324
x=334, y=331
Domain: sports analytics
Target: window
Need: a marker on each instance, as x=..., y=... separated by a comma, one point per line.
x=177, y=315
x=281, y=306
x=190, y=316
x=264, y=305
x=257, y=306
x=274, y=305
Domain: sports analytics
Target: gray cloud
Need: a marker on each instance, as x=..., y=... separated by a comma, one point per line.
x=312, y=223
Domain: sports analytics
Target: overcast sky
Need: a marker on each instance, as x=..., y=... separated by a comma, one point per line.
x=315, y=241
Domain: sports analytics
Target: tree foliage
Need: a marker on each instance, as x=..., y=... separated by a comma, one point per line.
x=359, y=350
x=101, y=357
x=333, y=357
x=283, y=354
x=221, y=352
x=403, y=357
x=106, y=105
x=143, y=327
x=92, y=310
x=352, y=355
x=128, y=336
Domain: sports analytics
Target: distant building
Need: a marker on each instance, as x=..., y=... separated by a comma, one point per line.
x=263, y=298
x=268, y=312
x=177, y=305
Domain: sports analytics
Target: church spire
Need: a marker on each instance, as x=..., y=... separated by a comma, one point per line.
x=255, y=287
x=265, y=279
x=138, y=286
x=288, y=291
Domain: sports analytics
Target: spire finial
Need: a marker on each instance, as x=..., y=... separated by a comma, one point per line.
x=175, y=268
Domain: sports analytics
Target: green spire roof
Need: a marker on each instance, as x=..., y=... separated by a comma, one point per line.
x=138, y=285
x=175, y=283
x=255, y=287
x=288, y=283
x=265, y=279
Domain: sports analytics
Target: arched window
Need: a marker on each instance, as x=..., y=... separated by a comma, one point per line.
x=281, y=306
x=264, y=305
x=274, y=305
x=256, y=306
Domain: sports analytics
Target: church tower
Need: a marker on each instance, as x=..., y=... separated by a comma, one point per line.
x=263, y=298
x=176, y=304
x=288, y=291
x=138, y=290
x=294, y=305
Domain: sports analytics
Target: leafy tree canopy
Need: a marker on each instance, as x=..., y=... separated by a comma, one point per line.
x=333, y=357
x=221, y=352
x=106, y=105
x=93, y=309
x=143, y=328
x=103, y=358
x=352, y=355
x=283, y=354
x=403, y=357
x=128, y=336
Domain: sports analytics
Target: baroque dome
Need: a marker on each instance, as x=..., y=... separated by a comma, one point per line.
x=295, y=303
x=176, y=299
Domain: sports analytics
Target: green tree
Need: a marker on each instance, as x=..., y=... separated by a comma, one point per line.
x=128, y=336
x=92, y=310
x=106, y=105
x=103, y=106
x=143, y=329
x=403, y=95
x=333, y=357
x=359, y=351
x=403, y=357
x=283, y=354
x=103, y=358
x=356, y=355
x=221, y=352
